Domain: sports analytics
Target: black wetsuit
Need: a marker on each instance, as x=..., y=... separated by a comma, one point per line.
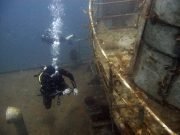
x=48, y=85
x=56, y=82
x=59, y=80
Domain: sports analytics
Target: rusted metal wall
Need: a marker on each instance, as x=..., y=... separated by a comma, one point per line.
x=168, y=10
x=161, y=37
x=159, y=62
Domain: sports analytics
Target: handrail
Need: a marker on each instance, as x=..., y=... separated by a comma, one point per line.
x=94, y=32
x=112, y=2
x=125, y=82
x=120, y=15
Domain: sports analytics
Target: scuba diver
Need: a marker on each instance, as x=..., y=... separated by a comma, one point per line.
x=53, y=84
x=70, y=39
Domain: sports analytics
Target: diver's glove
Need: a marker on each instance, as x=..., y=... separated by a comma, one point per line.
x=66, y=91
x=75, y=91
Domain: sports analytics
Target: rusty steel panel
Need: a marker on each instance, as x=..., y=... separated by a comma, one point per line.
x=168, y=11
x=158, y=67
x=161, y=37
x=151, y=70
x=174, y=95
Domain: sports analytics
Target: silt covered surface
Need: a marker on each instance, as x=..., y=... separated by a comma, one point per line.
x=20, y=89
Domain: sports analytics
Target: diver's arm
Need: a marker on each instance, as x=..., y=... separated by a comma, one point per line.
x=60, y=93
x=68, y=75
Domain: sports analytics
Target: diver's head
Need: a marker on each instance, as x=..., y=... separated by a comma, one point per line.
x=49, y=70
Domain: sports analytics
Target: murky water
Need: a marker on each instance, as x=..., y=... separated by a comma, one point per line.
x=22, y=25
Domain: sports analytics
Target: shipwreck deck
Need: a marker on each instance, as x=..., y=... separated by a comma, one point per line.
x=115, y=50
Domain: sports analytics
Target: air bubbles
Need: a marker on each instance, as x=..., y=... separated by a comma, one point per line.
x=57, y=11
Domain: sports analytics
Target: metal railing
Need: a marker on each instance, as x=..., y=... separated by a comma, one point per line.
x=126, y=10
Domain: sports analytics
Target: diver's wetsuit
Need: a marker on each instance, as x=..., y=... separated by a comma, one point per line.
x=59, y=80
x=48, y=85
x=56, y=81
x=53, y=82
